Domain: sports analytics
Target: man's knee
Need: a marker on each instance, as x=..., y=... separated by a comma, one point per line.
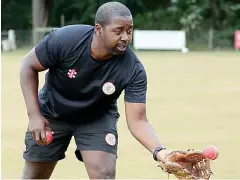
x=101, y=172
x=34, y=170
x=34, y=174
x=107, y=173
x=28, y=174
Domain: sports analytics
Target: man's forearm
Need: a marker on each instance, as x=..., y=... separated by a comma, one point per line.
x=145, y=134
x=29, y=85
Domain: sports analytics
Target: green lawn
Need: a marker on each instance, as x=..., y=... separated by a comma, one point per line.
x=193, y=102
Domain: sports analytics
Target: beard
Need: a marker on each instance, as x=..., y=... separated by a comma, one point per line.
x=114, y=50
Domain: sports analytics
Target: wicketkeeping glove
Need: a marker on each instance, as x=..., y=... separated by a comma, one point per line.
x=187, y=165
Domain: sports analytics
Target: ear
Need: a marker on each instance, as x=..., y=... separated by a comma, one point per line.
x=98, y=30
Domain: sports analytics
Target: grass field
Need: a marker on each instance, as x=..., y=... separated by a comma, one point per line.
x=193, y=102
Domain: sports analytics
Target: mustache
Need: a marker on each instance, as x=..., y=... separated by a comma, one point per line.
x=123, y=44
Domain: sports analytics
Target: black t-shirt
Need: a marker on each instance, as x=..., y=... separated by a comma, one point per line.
x=78, y=87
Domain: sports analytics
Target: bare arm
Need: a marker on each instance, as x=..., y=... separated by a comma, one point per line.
x=140, y=128
x=29, y=69
x=43, y=56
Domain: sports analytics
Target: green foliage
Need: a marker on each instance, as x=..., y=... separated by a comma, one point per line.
x=159, y=19
x=193, y=16
x=16, y=14
x=169, y=14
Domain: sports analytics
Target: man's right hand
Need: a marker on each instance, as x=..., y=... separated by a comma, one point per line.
x=37, y=128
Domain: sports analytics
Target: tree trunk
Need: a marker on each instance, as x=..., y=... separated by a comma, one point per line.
x=40, y=13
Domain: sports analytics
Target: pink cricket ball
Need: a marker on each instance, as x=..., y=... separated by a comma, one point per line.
x=49, y=136
x=211, y=152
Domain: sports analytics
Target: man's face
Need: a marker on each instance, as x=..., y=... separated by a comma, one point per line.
x=118, y=34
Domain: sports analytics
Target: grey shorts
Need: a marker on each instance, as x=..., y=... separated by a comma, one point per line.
x=98, y=135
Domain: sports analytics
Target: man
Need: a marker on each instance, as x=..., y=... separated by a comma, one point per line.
x=88, y=67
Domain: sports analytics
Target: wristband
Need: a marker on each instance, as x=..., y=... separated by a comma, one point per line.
x=158, y=149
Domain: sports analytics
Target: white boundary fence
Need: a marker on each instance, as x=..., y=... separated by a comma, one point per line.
x=159, y=40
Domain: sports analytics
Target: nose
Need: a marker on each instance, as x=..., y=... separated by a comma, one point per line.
x=124, y=36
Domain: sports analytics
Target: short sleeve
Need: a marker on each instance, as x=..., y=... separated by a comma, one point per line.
x=47, y=50
x=136, y=89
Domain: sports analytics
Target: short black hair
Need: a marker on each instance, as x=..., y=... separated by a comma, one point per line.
x=107, y=11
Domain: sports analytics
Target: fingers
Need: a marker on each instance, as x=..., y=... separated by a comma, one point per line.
x=43, y=138
x=33, y=135
x=46, y=123
x=37, y=127
x=48, y=128
x=39, y=137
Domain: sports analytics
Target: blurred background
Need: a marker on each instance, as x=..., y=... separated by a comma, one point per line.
x=209, y=24
x=190, y=50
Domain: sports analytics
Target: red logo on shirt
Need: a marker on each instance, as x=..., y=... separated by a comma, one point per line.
x=72, y=73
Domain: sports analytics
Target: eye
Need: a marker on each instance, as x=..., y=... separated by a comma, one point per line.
x=129, y=31
x=118, y=32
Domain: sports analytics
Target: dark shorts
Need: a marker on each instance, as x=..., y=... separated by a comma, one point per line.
x=100, y=135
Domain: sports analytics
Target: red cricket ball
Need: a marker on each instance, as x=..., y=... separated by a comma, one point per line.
x=49, y=136
x=211, y=152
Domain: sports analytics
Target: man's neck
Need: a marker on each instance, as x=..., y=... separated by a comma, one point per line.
x=97, y=51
